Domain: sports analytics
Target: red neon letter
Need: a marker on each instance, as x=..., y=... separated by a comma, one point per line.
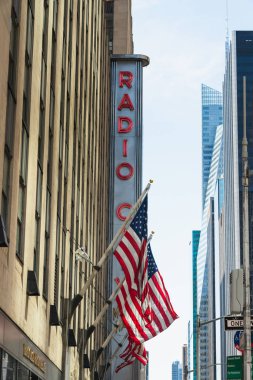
x=124, y=148
x=124, y=177
x=125, y=77
x=119, y=209
x=126, y=103
x=128, y=128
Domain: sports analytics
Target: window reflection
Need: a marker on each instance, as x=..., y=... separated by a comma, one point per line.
x=11, y=369
x=22, y=372
x=8, y=367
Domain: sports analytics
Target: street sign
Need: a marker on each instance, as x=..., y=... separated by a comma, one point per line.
x=235, y=323
x=234, y=368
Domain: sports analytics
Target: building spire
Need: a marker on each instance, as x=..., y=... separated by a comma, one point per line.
x=227, y=34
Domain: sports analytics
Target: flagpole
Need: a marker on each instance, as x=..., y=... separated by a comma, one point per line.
x=78, y=298
x=105, y=343
x=108, y=364
x=92, y=327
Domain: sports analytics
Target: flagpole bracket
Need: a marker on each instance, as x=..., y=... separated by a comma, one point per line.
x=74, y=303
x=99, y=352
x=88, y=333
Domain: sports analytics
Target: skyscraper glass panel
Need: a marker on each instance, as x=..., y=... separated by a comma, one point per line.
x=211, y=118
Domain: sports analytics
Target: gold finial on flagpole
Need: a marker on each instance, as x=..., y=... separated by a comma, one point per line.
x=151, y=181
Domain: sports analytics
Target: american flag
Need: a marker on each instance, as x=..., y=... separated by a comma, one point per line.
x=132, y=352
x=162, y=313
x=143, y=300
x=131, y=255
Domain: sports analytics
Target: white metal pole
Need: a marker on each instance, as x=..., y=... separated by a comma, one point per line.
x=245, y=209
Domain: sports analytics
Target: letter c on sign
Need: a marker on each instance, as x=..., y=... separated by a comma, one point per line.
x=119, y=211
x=124, y=177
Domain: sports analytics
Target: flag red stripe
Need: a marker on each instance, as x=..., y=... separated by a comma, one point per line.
x=132, y=352
x=124, y=246
x=133, y=242
x=158, y=305
x=129, y=309
x=124, y=268
x=157, y=322
x=169, y=305
x=126, y=320
x=165, y=299
x=136, y=303
x=132, y=317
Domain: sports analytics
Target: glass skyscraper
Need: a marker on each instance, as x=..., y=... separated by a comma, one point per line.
x=206, y=264
x=239, y=64
x=211, y=118
x=195, y=246
x=176, y=370
x=203, y=249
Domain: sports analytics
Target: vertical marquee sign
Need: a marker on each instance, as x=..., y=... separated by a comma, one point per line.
x=126, y=148
x=126, y=138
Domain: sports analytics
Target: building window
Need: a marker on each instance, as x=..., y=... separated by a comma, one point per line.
x=5, y=189
x=43, y=82
x=22, y=191
x=29, y=33
x=50, y=142
x=10, y=111
x=47, y=245
x=25, y=129
x=56, y=274
x=38, y=220
x=55, y=14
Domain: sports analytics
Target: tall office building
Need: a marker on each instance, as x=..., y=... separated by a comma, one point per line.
x=176, y=370
x=211, y=118
x=206, y=266
x=189, y=343
x=185, y=362
x=203, y=259
x=54, y=181
x=239, y=64
x=195, y=246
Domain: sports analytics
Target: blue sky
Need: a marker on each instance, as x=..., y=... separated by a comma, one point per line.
x=185, y=40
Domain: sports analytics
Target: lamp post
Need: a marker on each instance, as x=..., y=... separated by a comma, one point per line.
x=245, y=212
x=199, y=324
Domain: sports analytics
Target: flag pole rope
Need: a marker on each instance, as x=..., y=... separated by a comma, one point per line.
x=78, y=298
